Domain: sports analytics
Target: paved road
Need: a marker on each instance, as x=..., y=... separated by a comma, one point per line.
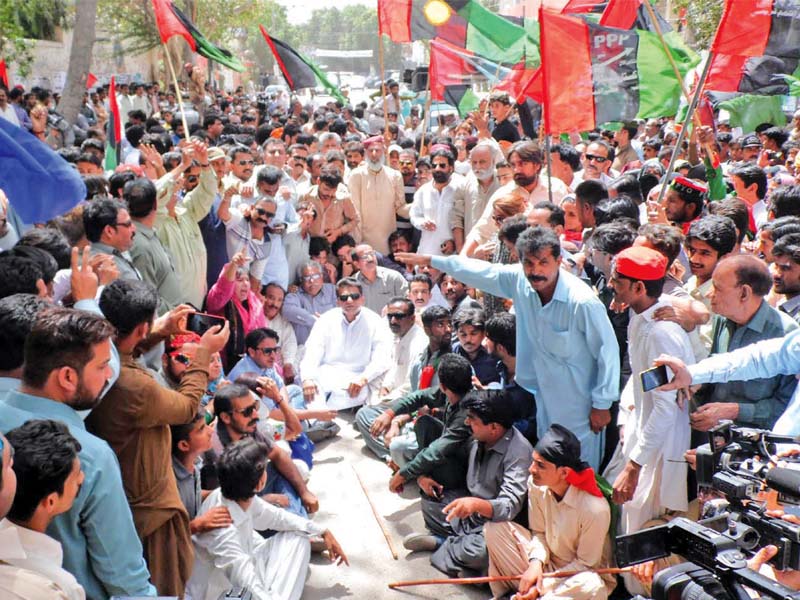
x=344, y=508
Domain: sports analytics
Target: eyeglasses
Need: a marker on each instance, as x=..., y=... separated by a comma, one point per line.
x=265, y=213
x=595, y=158
x=312, y=277
x=245, y=162
x=192, y=179
x=269, y=351
x=407, y=162
x=397, y=316
x=346, y=297
x=126, y=224
x=298, y=158
x=181, y=358
x=366, y=255
x=441, y=165
x=247, y=412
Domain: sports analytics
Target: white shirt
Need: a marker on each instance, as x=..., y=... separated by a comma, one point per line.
x=431, y=204
x=337, y=351
x=225, y=557
x=37, y=552
x=405, y=350
x=9, y=114
x=238, y=235
x=659, y=432
x=287, y=337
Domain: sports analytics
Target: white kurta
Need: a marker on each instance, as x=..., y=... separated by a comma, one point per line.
x=430, y=204
x=657, y=434
x=272, y=569
x=338, y=352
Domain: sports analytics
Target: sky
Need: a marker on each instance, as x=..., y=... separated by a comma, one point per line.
x=299, y=11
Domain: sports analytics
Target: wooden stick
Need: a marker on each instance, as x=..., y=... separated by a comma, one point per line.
x=494, y=578
x=426, y=116
x=378, y=518
x=177, y=92
x=383, y=95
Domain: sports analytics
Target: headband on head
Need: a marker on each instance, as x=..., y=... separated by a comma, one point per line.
x=689, y=190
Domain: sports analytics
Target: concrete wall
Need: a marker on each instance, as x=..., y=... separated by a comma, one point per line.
x=51, y=58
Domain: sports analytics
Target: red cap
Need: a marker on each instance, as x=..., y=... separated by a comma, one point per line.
x=638, y=262
x=371, y=141
x=177, y=342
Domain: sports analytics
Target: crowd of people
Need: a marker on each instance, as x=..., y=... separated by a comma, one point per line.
x=477, y=303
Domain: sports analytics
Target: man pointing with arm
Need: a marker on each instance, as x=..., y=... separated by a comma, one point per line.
x=561, y=325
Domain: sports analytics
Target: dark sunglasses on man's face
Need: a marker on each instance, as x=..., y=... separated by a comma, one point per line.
x=346, y=297
x=397, y=316
x=191, y=179
x=264, y=213
x=181, y=358
x=595, y=158
x=247, y=412
x=242, y=163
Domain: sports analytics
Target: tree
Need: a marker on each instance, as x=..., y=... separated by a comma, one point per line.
x=702, y=19
x=22, y=22
x=80, y=59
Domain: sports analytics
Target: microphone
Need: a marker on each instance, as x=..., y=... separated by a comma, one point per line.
x=784, y=481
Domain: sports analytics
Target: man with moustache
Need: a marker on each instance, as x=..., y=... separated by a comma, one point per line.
x=562, y=323
x=241, y=162
x=56, y=386
x=273, y=303
x=456, y=295
x=377, y=193
x=433, y=203
x=525, y=159
x=474, y=192
x=409, y=342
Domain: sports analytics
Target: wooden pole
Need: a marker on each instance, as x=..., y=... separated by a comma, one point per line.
x=549, y=160
x=690, y=111
x=177, y=91
x=383, y=90
x=425, y=112
x=495, y=578
x=378, y=518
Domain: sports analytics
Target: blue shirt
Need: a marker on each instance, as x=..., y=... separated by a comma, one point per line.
x=567, y=354
x=101, y=547
x=213, y=231
x=768, y=358
x=761, y=401
x=299, y=309
x=248, y=365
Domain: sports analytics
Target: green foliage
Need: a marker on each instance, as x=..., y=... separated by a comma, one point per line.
x=326, y=30
x=21, y=22
x=702, y=17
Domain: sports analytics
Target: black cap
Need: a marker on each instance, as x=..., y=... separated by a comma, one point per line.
x=751, y=141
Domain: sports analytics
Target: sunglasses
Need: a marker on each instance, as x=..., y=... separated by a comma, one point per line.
x=247, y=412
x=126, y=224
x=192, y=178
x=313, y=277
x=346, y=297
x=397, y=316
x=407, y=162
x=269, y=351
x=595, y=158
x=265, y=213
x=181, y=358
x=245, y=162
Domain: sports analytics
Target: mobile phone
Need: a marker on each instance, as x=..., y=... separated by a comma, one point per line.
x=653, y=378
x=199, y=323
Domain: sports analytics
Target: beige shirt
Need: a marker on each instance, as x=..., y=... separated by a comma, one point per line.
x=469, y=202
x=379, y=199
x=485, y=228
x=406, y=349
x=570, y=535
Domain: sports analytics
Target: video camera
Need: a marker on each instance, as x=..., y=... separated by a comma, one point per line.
x=738, y=464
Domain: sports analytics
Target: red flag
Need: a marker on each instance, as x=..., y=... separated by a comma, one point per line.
x=523, y=83
x=394, y=19
x=169, y=25
x=566, y=74
x=114, y=129
x=4, y=74
x=90, y=81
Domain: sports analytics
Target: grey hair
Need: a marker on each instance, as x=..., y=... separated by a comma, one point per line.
x=308, y=265
x=324, y=137
x=494, y=149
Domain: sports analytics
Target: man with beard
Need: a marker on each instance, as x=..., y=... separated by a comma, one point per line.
x=134, y=418
x=67, y=358
x=407, y=161
x=525, y=159
x=409, y=341
x=433, y=203
x=562, y=323
x=379, y=425
x=684, y=202
x=474, y=192
x=377, y=193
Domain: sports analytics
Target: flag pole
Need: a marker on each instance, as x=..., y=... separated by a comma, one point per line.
x=383, y=86
x=695, y=119
x=425, y=112
x=689, y=113
x=177, y=91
